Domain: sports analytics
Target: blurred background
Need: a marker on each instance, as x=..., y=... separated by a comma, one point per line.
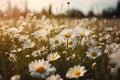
x=81, y=8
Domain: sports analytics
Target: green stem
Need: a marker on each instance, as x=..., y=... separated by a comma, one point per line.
x=67, y=46
x=96, y=73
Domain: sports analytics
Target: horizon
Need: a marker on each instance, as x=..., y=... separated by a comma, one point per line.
x=61, y=6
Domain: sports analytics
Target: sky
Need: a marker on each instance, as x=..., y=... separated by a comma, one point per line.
x=60, y=6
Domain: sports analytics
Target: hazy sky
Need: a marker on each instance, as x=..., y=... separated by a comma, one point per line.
x=60, y=6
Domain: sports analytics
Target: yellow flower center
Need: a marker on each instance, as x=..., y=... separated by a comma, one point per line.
x=29, y=46
x=82, y=33
x=104, y=36
x=53, y=58
x=56, y=41
x=70, y=42
x=40, y=37
x=67, y=35
x=94, y=54
x=76, y=73
x=37, y=53
x=12, y=57
x=41, y=69
x=44, y=50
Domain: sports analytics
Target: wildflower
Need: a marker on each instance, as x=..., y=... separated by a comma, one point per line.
x=66, y=33
x=93, y=42
x=76, y=72
x=83, y=31
x=29, y=15
x=23, y=37
x=14, y=30
x=16, y=50
x=54, y=77
x=93, y=52
x=41, y=68
x=13, y=51
x=83, y=41
x=43, y=50
x=27, y=56
x=36, y=53
x=71, y=42
x=113, y=71
x=56, y=41
x=53, y=56
x=40, y=34
x=19, y=49
x=12, y=57
x=28, y=44
x=64, y=52
x=93, y=36
x=93, y=66
x=73, y=56
x=15, y=77
x=115, y=58
x=108, y=28
x=104, y=36
x=111, y=48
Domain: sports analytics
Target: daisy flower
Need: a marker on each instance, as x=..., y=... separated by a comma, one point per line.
x=111, y=48
x=108, y=28
x=19, y=49
x=15, y=77
x=114, y=71
x=43, y=50
x=27, y=56
x=104, y=36
x=86, y=32
x=84, y=41
x=53, y=56
x=66, y=33
x=56, y=41
x=12, y=57
x=76, y=72
x=93, y=52
x=36, y=53
x=14, y=30
x=28, y=44
x=41, y=68
x=40, y=34
x=13, y=51
x=83, y=31
x=115, y=58
x=72, y=42
x=16, y=50
x=93, y=42
x=54, y=77
x=22, y=37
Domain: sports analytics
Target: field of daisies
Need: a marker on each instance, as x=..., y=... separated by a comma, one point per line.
x=58, y=48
